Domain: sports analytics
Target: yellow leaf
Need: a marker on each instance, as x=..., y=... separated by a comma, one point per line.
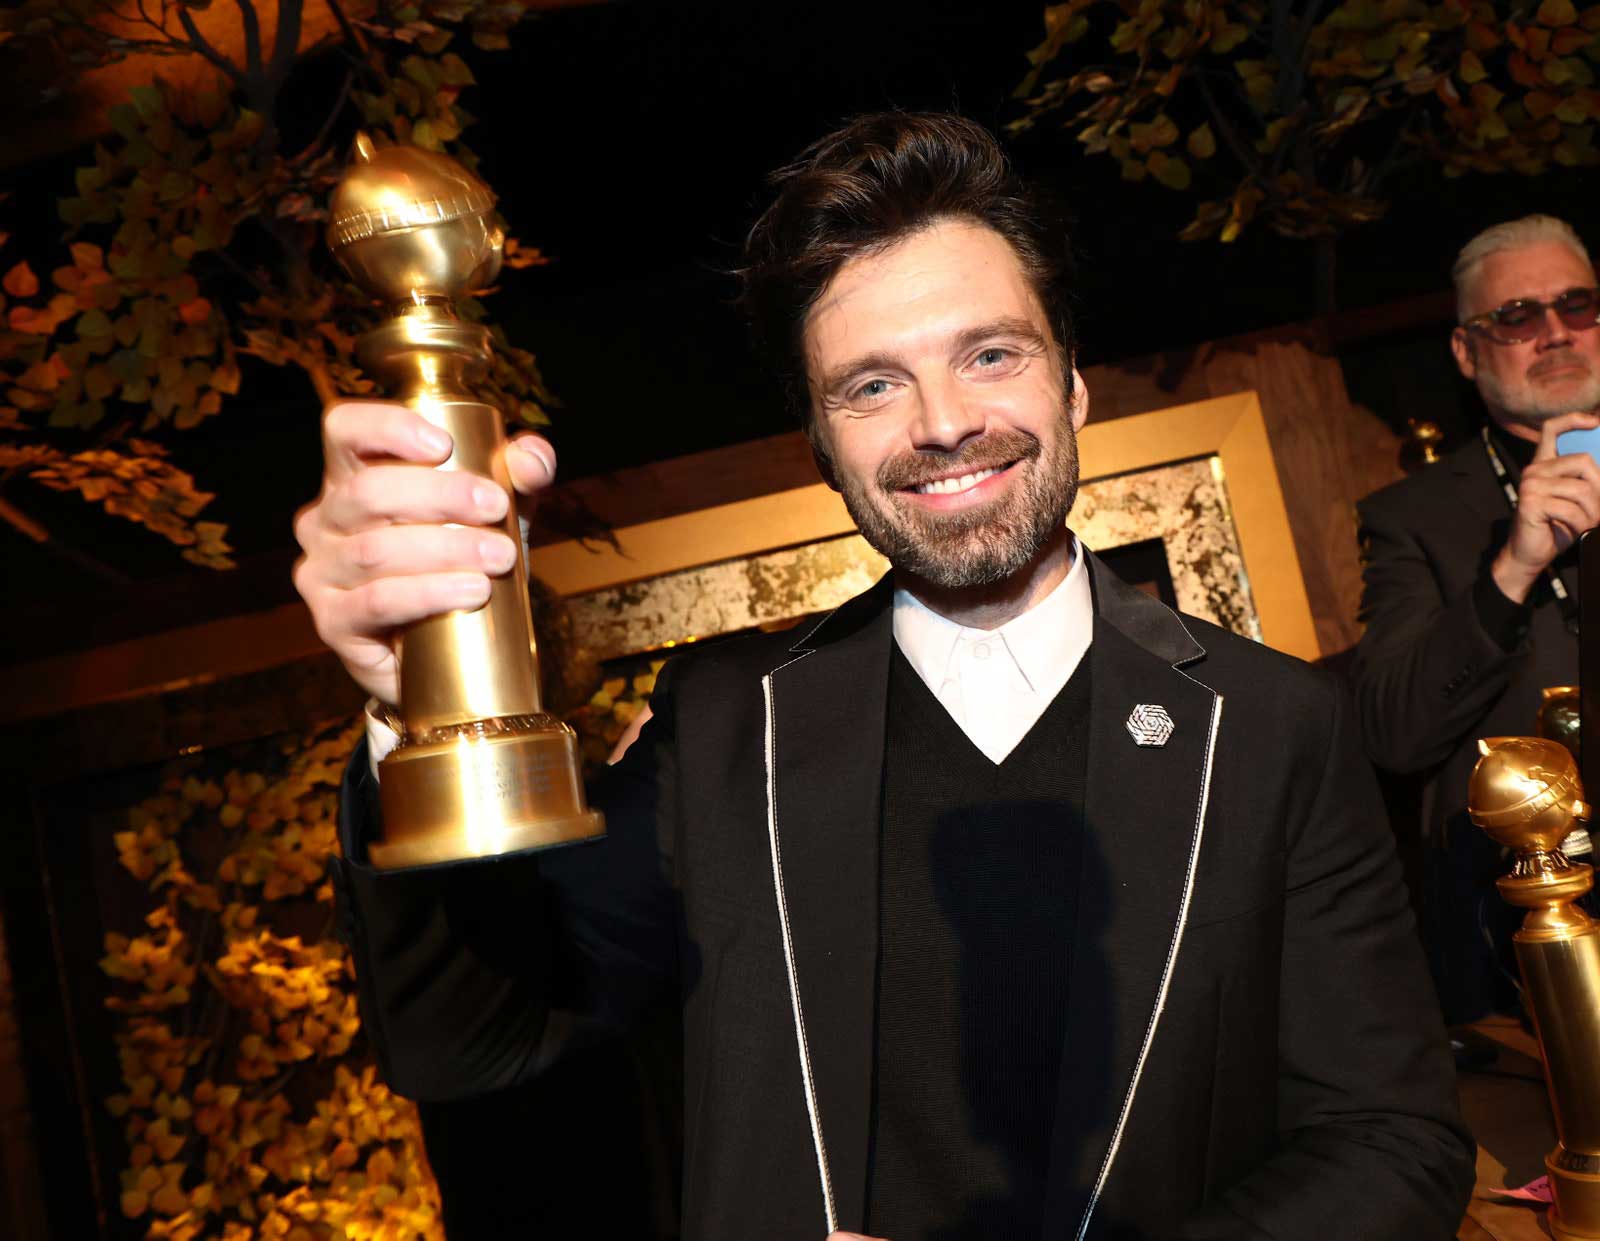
x=1471, y=69
x=135, y=1203
x=1202, y=142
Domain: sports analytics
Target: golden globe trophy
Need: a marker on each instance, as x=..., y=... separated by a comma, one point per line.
x=481, y=770
x=1526, y=795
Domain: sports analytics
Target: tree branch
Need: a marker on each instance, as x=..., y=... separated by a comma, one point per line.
x=199, y=43
x=252, y=37
x=286, y=41
x=1241, y=149
x=316, y=143
x=348, y=30
x=17, y=519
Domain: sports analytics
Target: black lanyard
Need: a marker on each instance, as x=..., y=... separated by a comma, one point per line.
x=1558, y=588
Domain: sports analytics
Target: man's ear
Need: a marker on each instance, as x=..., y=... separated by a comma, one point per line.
x=1466, y=353
x=1080, y=401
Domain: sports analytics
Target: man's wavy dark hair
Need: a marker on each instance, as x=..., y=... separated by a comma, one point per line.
x=868, y=185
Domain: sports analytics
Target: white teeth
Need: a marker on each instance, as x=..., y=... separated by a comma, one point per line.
x=950, y=486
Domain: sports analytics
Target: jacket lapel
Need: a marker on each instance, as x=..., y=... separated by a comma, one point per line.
x=1478, y=488
x=1144, y=816
x=825, y=736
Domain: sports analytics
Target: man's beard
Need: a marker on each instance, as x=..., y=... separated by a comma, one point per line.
x=977, y=546
x=1522, y=401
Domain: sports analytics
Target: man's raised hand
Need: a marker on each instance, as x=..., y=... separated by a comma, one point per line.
x=1558, y=498
x=390, y=540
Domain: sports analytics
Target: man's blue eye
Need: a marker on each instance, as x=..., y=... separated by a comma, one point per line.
x=873, y=387
x=990, y=357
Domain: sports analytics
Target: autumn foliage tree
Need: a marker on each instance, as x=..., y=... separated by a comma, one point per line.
x=246, y=1112
x=195, y=238
x=1297, y=116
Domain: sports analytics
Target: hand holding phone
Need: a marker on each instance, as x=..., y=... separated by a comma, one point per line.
x=1558, y=498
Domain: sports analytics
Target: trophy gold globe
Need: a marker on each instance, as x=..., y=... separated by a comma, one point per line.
x=1526, y=794
x=482, y=770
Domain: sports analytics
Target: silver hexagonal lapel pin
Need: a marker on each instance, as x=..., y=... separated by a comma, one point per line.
x=1149, y=724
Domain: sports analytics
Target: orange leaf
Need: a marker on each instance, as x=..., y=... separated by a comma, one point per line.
x=20, y=281
x=196, y=312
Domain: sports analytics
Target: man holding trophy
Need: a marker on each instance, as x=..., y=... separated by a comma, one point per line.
x=1004, y=902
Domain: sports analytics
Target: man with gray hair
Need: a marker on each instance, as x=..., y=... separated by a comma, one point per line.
x=1471, y=584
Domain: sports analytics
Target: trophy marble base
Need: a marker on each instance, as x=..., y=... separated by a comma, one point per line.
x=482, y=790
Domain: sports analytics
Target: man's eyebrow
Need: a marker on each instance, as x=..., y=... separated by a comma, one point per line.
x=1006, y=325
x=845, y=373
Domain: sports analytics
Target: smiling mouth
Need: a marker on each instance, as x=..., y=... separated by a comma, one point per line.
x=956, y=484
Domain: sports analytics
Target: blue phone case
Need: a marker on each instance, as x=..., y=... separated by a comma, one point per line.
x=1579, y=441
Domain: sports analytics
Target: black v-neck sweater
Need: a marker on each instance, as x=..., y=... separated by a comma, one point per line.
x=978, y=892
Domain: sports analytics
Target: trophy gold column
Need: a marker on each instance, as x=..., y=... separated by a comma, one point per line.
x=1526, y=795
x=481, y=769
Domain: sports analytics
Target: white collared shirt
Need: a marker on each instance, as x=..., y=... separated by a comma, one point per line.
x=996, y=683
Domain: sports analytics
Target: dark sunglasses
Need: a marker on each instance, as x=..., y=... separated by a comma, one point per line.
x=1520, y=321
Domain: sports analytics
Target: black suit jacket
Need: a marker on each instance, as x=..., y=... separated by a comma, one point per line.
x=1251, y=1052
x=1430, y=680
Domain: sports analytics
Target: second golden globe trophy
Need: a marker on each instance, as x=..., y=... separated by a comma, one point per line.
x=1526, y=795
x=481, y=769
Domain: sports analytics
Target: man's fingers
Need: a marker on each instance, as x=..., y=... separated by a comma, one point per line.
x=1568, y=465
x=1576, y=421
x=531, y=462
x=356, y=431
x=389, y=602
x=411, y=495
x=630, y=734
x=408, y=551
x=1579, y=489
x=1569, y=521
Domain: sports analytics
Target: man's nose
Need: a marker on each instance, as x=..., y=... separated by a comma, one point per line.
x=945, y=419
x=1553, y=331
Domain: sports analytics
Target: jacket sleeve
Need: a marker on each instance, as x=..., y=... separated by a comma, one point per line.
x=1427, y=671
x=1371, y=1141
x=471, y=977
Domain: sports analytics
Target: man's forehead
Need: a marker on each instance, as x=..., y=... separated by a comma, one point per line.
x=1538, y=271
x=937, y=277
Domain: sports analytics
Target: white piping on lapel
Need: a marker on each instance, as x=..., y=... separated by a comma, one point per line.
x=807, y=1080
x=1172, y=956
